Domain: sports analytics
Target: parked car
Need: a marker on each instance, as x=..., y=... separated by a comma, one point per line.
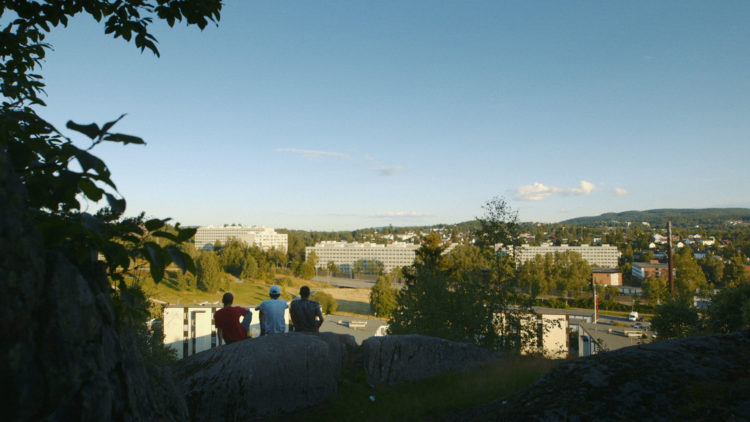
x=633, y=316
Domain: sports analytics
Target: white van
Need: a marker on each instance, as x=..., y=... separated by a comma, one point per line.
x=633, y=316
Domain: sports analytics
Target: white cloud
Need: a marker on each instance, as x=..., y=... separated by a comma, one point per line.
x=389, y=170
x=539, y=191
x=621, y=191
x=400, y=214
x=308, y=153
x=535, y=192
x=585, y=189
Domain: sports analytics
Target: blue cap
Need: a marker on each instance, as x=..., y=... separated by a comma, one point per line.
x=275, y=291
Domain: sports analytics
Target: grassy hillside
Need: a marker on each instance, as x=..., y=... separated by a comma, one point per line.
x=246, y=292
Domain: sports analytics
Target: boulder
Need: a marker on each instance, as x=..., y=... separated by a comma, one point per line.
x=264, y=376
x=400, y=358
x=696, y=378
x=63, y=355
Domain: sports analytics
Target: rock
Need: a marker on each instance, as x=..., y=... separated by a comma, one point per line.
x=263, y=377
x=697, y=378
x=63, y=356
x=400, y=358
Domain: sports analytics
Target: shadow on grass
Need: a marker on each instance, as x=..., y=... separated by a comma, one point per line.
x=361, y=308
x=428, y=399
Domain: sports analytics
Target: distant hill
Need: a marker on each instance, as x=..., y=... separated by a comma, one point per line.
x=679, y=217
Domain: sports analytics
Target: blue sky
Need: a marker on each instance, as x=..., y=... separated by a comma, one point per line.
x=349, y=114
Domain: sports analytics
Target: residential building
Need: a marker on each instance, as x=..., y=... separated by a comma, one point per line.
x=604, y=256
x=345, y=254
x=263, y=237
x=607, y=276
x=190, y=329
x=644, y=270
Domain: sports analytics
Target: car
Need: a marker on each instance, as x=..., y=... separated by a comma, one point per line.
x=638, y=326
x=633, y=316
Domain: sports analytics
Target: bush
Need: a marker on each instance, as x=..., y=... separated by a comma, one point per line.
x=327, y=302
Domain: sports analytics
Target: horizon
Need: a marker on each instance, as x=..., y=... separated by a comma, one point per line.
x=332, y=117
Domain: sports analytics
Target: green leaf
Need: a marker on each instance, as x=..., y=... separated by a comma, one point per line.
x=125, y=139
x=91, y=130
x=154, y=224
x=165, y=235
x=183, y=260
x=90, y=189
x=117, y=205
x=107, y=126
x=89, y=161
x=152, y=253
x=184, y=235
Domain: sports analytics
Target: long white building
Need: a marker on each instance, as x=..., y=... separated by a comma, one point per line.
x=604, y=256
x=263, y=237
x=345, y=254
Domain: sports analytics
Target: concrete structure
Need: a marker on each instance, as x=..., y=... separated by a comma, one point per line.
x=604, y=256
x=345, y=254
x=607, y=276
x=189, y=329
x=263, y=237
x=644, y=270
x=595, y=338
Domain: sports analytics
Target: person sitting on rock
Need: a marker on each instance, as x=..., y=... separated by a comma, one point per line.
x=272, y=312
x=305, y=311
x=227, y=321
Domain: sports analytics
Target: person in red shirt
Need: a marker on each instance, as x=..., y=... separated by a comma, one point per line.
x=227, y=321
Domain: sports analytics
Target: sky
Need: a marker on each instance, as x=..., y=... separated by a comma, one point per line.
x=338, y=115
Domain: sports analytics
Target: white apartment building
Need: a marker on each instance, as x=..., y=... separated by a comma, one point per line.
x=345, y=254
x=603, y=256
x=263, y=237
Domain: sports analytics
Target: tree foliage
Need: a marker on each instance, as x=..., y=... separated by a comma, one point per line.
x=468, y=296
x=675, y=318
x=383, y=297
x=327, y=302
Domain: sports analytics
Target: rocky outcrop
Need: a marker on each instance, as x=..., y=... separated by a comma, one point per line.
x=698, y=378
x=62, y=354
x=400, y=358
x=263, y=377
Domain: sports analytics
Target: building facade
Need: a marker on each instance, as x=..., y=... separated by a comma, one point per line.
x=263, y=237
x=644, y=270
x=607, y=276
x=604, y=256
x=345, y=254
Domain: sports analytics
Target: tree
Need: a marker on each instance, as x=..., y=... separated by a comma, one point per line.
x=454, y=298
x=208, y=272
x=313, y=259
x=60, y=178
x=327, y=302
x=734, y=272
x=675, y=318
x=305, y=270
x=729, y=310
x=689, y=275
x=332, y=267
x=712, y=268
x=655, y=290
x=383, y=297
x=249, y=268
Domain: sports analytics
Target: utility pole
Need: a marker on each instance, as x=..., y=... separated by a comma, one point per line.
x=670, y=264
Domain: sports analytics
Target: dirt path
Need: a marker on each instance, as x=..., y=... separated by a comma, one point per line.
x=352, y=295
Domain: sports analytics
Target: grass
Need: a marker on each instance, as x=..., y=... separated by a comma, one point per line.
x=427, y=399
x=353, y=307
x=248, y=292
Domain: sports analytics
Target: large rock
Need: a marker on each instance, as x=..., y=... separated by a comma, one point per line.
x=399, y=358
x=264, y=376
x=698, y=378
x=63, y=356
